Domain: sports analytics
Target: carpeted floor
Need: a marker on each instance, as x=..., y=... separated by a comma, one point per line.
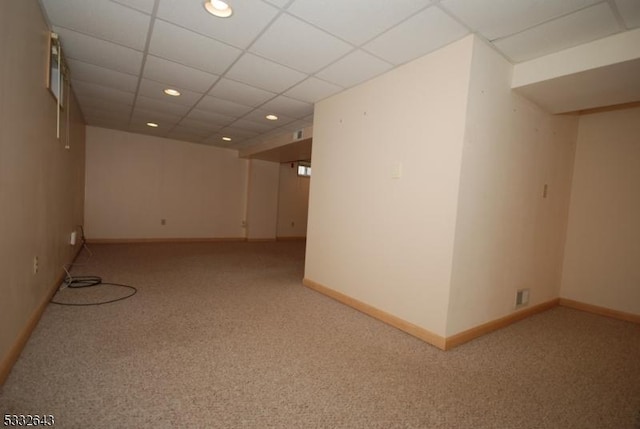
x=223, y=335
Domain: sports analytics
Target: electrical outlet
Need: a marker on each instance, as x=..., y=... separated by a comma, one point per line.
x=522, y=297
x=35, y=265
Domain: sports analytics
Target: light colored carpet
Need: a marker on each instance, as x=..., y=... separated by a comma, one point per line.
x=223, y=335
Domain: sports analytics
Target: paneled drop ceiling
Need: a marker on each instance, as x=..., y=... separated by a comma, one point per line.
x=281, y=56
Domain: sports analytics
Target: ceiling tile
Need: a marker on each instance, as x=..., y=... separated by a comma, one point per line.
x=354, y=69
x=143, y=116
x=214, y=118
x=92, y=90
x=298, y=45
x=355, y=21
x=120, y=116
x=282, y=105
x=236, y=135
x=207, y=127
x=100, y=121
x=432, y=26
x=279, y=3
x=152, y=89
x=111, y=106
x=630, y=11
x=169, y=41
x=313, y=90
x=240, y=93
x=224, y=107
x=580, y=27
x=102, y=19
x=196, y=132
x=216, y=141
x=296, y=125
x=177, y=75
x=500, y=18
x=141, y=5
x=100, y=75
x=256, y=127
x=272, y=77
x=98, y=52
x=258, y=116
x=162, y=106
x=249, y=15
x=185, y=134
x=142, y=128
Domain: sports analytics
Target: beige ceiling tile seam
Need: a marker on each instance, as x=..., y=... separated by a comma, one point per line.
x=100, y=85
x=305, y=80
x=176, y=63
x=94, y=36
x=157, y=55
x=244, y=83
x=152, y=21
x=201, y=98
x=285, y=7
x=169, y=84
x=477, y=34
x=68, y=57
x=584, y=26
x=453, y=16
x=556, y=18
x=311, y=24
x=300, y=14
x=268, y=101
x=103, y=67
x=130, y=7
x=191, y=30
x=269, y=25
x=397, y=24
x=315, y=74
x=616, y=13
x=224, y=73
x=271, y=60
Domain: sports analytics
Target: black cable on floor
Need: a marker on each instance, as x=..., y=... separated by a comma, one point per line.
x=92, y=281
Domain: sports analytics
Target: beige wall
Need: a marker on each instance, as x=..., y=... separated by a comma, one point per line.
x=41, y=182
x=134, y=181
x=508, y=236
x=602, y=253
x=384, y=241
x=293, y=202
x=262, y=200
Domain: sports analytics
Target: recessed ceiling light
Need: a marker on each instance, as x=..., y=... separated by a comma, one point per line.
x=227, y=139
x=218, y=8
x=172, y=92
x=272, y=117
x=152, y=125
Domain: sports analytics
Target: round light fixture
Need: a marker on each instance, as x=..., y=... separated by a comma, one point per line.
x=172, y=92
x=272, y=117
x=218, y=8
x=152, y=125
x=227, y=139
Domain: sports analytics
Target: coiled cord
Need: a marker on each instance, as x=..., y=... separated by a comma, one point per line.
x=91, y=281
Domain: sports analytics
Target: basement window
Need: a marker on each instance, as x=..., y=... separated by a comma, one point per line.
x=304, y=169
x=57, y=70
